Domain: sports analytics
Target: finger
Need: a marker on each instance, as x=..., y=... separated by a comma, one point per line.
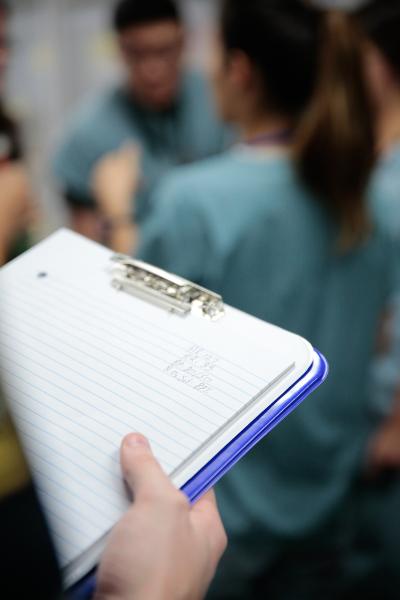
x=206, y=502
x=141, y=471
x=206, y=517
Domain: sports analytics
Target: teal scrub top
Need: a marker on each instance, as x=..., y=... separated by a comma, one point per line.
x=166, y=139
x=385, y=202
x=385, y=197
x=243, y=225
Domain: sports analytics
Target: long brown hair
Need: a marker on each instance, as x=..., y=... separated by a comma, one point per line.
x=335, y=149
x=311, y=65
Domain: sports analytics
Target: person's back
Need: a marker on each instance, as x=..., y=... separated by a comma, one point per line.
x=249, y=230
x=280, y=228
x=377, y=548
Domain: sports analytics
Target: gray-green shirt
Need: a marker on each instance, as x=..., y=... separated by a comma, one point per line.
x=187, y=132
x=385, y=202
x=243, y=225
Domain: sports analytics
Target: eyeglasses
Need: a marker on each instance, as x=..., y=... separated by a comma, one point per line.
x=165, y=53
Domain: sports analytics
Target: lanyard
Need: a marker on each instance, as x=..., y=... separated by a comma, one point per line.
x=274, y=138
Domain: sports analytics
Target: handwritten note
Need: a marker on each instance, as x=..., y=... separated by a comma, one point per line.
x=195, y=369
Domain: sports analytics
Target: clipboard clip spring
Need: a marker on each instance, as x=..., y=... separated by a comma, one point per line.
x=168, y=291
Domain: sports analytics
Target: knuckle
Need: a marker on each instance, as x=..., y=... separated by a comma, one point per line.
x=224, y=539
x=221, y=539
x=179, y=501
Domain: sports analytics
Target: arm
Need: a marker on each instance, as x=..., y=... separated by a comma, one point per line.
x=114, y=184
x=84, y=220
x=163, y=548
x=384, y=449
x=384, y=452
x=16, y=206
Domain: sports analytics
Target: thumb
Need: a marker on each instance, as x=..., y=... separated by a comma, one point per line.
x=141, y=471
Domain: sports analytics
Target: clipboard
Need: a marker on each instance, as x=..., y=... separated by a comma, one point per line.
x=207, y=477
x=182, y=297
x=184, y=305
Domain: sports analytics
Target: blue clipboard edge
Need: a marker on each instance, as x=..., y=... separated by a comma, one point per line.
x=222, y=462
x=211, y=473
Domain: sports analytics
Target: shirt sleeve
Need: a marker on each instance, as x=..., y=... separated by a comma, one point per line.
x=385, y=374
x=174, y=236
x=74, y=160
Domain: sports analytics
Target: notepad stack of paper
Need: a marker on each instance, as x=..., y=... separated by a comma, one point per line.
x=84, y=364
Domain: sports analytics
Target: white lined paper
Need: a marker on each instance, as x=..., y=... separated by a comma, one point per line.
x=84, y=365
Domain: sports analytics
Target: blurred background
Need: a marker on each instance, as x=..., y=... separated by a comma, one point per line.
x=63, y=52
x=50, y=76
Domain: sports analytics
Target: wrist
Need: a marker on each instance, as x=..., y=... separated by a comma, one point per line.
x=115, y=222
x=120, y=236
x=116, y=203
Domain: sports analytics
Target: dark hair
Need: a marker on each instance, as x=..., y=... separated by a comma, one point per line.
x=129, y=13
x=380, y=20
x=311, y=64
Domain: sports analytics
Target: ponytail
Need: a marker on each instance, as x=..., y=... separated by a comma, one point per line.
x=335, y=147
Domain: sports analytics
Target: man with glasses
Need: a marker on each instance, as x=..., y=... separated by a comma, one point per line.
x=162, y=115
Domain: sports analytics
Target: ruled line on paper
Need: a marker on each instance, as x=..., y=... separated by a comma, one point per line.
x=54, y=425
x=56, y=522
x=45, y=432
x=57, y=399
x=215, y=425
x=108, y=389
x=108, y=414
x=95, y=527
x=126, y=407
x=139, y=358
x=80, y=367
x=80, y=502
x=119, y=382
x=103, y=317
x=65, y=417
x=67, y=491
x=97, y=480
x=151, y=341
x=85, y=295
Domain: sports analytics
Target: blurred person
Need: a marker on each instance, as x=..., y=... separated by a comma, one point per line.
x=159, y=116
x=381, y=23
x=15, y=194
x=378, y=548
x=280, y=226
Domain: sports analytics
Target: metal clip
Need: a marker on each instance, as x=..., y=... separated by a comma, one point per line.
x=168, y=291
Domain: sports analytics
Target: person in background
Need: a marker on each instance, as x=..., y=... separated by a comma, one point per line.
x=16, y=205
x=378, y=547
x=280, y=227
x=159, y=116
